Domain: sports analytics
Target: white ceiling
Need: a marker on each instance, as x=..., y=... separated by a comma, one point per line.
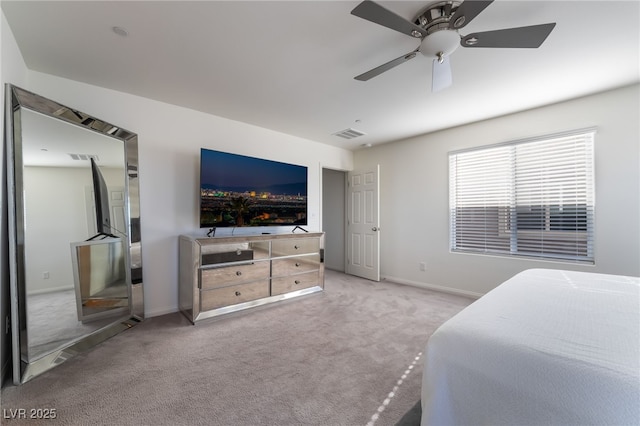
x=47, y=141
x=289, y=65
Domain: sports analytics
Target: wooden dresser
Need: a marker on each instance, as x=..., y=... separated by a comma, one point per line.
x=227, y=274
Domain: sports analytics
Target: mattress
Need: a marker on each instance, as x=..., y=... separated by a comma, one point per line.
x=546, y=347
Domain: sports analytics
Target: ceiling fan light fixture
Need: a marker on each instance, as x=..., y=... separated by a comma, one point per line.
x=440, y=43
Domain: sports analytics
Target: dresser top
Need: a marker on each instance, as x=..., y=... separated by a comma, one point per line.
x=247, y=238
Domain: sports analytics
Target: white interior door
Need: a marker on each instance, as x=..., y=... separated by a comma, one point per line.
x=116, y=205
x=118, y=218
x=363, y=224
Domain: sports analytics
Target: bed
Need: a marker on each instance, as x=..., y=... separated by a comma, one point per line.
x=546, y=347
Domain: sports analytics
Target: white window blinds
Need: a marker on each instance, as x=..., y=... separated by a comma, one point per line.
x=528, y=198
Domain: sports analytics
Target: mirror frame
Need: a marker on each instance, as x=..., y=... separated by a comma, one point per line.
x=17, y=99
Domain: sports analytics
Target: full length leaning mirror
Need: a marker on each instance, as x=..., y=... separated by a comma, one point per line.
x=74, y=231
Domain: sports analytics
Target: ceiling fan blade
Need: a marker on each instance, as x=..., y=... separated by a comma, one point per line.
x=442, y=76
x=521, y=37
x=465, y=13
x=375, y=13
x=386, y=67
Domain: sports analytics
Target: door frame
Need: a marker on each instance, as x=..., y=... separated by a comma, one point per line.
x=369, y=229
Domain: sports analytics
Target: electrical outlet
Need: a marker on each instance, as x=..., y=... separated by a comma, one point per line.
x=423, y=266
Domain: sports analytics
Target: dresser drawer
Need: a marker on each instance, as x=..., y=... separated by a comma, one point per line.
x=292, y=247
x=283, y=285
x=235, y=274
x=234, y=252
x=232, y=295
x=295, y=265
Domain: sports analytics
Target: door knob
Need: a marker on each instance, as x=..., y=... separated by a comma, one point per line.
x=375, y=229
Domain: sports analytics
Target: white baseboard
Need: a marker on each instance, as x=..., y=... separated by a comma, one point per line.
x=51, y=290
x=456, y=291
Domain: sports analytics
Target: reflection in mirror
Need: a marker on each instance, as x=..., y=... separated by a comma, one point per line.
x=76, y=279
x=60, y=210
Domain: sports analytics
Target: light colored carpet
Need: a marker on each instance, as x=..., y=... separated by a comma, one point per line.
x=348, y=356
x=53, y=322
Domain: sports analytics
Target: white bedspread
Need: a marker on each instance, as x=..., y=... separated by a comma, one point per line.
x=546, y=347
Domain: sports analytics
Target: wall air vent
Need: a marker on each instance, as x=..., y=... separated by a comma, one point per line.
x=349, y=133
x=84, y=157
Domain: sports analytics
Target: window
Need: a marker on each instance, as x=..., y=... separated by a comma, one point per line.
x=531, y=198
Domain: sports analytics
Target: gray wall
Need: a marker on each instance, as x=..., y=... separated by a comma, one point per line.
x=415, y=198
x=333, y=218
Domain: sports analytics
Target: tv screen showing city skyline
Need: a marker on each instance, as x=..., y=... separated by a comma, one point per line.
x=237, y=190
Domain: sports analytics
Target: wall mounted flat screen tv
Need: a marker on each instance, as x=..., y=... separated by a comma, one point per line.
x=236, y=190
x=101, y=198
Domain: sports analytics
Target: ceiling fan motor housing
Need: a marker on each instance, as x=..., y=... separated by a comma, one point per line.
x=441, y=40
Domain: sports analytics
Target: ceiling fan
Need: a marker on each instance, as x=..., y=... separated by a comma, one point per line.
x=437, y=28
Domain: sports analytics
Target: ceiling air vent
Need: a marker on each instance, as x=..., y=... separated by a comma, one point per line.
x=84, y=157
x=349, y=133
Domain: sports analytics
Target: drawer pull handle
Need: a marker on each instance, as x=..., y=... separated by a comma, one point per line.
x=297, y=264
x=238, y=252
x=295, y=247
x=238, y=293
x=238, y=273
x=297, y=281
